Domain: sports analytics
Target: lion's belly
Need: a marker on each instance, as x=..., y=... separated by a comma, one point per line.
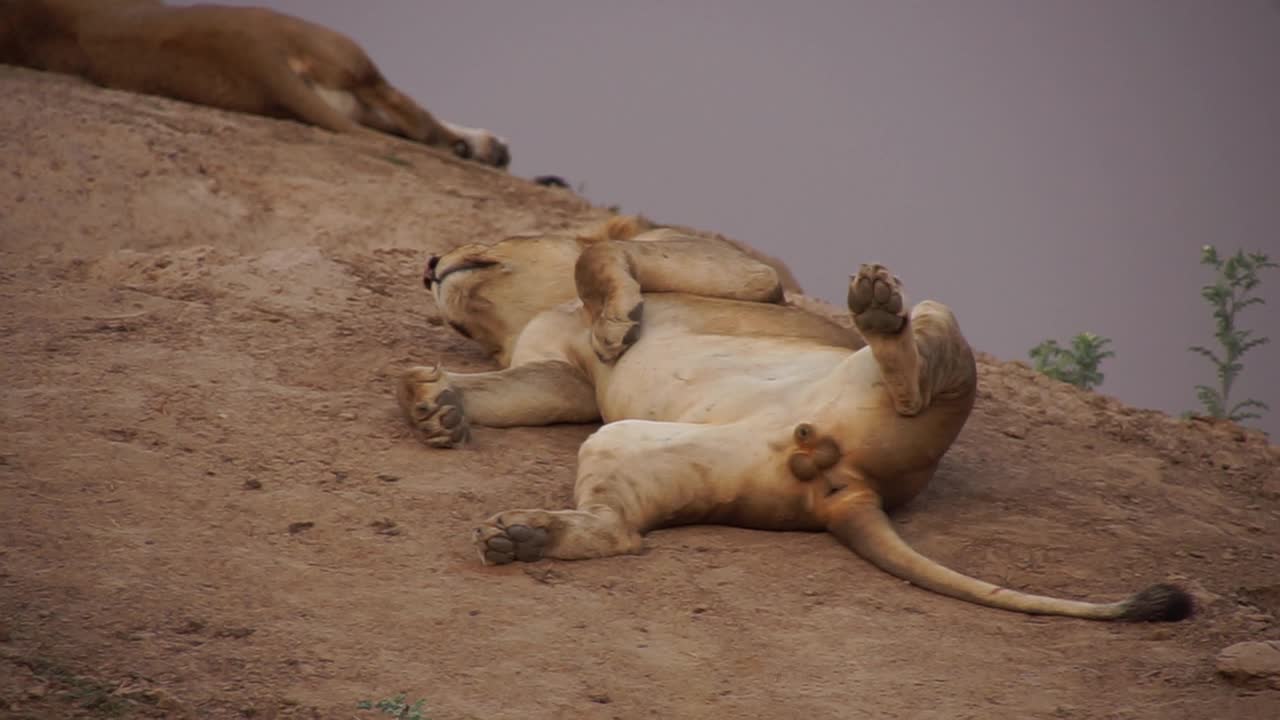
x=711, y=378
x=767, y=388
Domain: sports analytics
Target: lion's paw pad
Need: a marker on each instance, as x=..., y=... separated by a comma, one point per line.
x=435, y=410
x=500, y=545
x=611, y=336
x=875, y=298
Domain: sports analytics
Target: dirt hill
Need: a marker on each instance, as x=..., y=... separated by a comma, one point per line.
x=209, y=507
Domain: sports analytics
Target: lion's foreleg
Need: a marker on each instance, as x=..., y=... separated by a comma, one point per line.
x=711, y=267
x=611, y=275
x=440, y=405
x=536, y=393
x=610, y=294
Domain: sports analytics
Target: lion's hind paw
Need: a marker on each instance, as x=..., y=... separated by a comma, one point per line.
x=500, y=544
x=875, y=298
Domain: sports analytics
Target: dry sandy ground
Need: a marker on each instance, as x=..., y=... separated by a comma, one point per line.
x=210, y=509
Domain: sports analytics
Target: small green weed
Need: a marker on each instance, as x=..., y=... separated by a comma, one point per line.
x=96, y=697
x=1237, y=276
x=397, y=707
x=1078, y=364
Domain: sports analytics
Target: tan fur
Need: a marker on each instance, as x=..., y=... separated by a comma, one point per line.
x=627, y=227
x=720, y=404
x=250, y=60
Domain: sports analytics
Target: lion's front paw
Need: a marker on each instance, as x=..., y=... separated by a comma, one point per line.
x=875, y=297
x=433, y=407
x=612, y=335
x=506, y=537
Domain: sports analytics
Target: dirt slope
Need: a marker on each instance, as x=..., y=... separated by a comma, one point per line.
x=209, y=508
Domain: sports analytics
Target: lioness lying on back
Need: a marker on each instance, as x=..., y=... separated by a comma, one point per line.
x=250, y=60
x=720, y=404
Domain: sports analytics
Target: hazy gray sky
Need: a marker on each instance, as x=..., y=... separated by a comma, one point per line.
x=1044, y=167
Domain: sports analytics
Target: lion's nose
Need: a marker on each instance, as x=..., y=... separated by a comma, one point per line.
x=429, y=275
x=501, y=155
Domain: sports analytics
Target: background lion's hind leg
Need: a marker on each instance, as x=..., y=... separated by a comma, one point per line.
x=386, y=109
x=307, y=101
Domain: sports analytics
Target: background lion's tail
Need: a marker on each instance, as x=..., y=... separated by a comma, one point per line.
x=864, y=528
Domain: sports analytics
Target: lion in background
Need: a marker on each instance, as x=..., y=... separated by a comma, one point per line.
x=250, y=60
x=720, y=402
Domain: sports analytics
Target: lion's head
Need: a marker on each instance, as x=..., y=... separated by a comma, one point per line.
x=488, y=293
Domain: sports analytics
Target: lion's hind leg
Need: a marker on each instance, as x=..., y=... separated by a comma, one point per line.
x=635, y=476
x=921, y=353
x=386, y=109
x=529, y=535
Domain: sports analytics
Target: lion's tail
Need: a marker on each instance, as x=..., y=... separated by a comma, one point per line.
x=866, y=529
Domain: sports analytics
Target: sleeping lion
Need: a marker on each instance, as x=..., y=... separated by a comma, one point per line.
x=250, y=60
x=720, y=403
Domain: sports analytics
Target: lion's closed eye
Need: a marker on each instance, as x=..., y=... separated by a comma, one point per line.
x=465, y=264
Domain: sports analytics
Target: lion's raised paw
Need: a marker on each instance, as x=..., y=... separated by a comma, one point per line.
x=611, y=336
x=875, y=298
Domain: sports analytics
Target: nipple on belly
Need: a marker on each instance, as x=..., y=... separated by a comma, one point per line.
x=814, y=453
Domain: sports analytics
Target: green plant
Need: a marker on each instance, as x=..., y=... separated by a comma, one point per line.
x=1078, y=364
x=98, y=698
x=397, y=707
x=1237, y=276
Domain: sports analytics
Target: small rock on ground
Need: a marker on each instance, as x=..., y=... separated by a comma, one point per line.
x=1254, y=663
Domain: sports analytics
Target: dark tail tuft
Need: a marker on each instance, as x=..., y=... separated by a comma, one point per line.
x=1159, y=603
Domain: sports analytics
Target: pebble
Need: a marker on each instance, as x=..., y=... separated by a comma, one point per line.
x=1252, y=663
